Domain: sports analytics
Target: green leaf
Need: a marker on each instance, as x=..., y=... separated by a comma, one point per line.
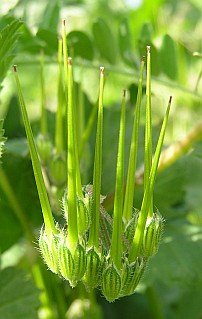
x=125, y=43
x=168, y=57
x=50, y=16
x=8, y=38
x=81, y=44
x=19, y=174
x=19, y=298
x=49, y=40
x=178, y=259
x=105, y=40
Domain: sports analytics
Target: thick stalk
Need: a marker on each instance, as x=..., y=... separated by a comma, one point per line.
x=116, y=246
x=148, y=193
x=129, y=194
x=43, y=196
x=148, y=131
x=59, y=131
x=94, y=230
x=71, y=164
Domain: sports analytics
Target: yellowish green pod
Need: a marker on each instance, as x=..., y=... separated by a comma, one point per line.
x=48, y=248
x=111, y=282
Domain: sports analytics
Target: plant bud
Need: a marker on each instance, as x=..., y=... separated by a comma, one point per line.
x=48, y=249
x=65, y=259
x=111, y=283
x=131, y=276
x=72, y=266
x=44, y=148
x=57, y=170
x=91, y=278
x=79, y=264
x=152, y=235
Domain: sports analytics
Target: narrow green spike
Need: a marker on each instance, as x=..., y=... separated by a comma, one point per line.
x=43, y=110
x=129, y=194
x=116, y=246
x=71, y=167
x=148, y=193
x=59, y=131
x=94, y=230
x=148, y=130
x=45, y=204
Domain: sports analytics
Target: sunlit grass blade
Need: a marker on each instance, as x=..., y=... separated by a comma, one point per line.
x=94, y=230
x=43, y=109
x=59, y=130
x=148, y=130
x=148, y=193
x=45, y=205
x=116, y=246
x=71, y=167
x=129, y=193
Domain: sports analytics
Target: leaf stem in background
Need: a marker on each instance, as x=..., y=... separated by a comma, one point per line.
x=129, y=194
x=43, y=196
x=148, y=193
x=116, y=246
x=43, y=121
x=94, y=230
x=10, y=194
x=59, y=130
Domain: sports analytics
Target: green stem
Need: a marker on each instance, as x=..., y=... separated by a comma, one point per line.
x=43, y=110
x=94, y=230
x=43, y=196
x=59, y=131
x=155, y=303
x=71, y=167
x=148, y=130
x=129, y=195
x=148, y=193
x=116, y=246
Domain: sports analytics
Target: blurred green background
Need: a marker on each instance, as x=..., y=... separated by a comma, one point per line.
x=113, y=34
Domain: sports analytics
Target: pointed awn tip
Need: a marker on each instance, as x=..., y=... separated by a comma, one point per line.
x=148, y=49
x=15, y=68
x=69, y=61
x=143, y=58
x=170, y=99
x=102, y=70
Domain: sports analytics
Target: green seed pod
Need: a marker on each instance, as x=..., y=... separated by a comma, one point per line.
x=57, y=170
x=111, y=283
x=72, y=266
x=91, y=278
x=131, y=276
x=83, y=216
x=79, y=264
x=130, y=227
x=48, y=249
x=44, y=147
x=152, y=235
x=65, y=259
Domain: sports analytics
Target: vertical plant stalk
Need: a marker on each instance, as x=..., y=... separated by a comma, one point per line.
x=129, y=194
x=43, y=196
x=94, y=230
x=71, y=165
x=116, y=246
x=148, y=131
x=148, y=193
x=59, y=131
x=43, y=110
